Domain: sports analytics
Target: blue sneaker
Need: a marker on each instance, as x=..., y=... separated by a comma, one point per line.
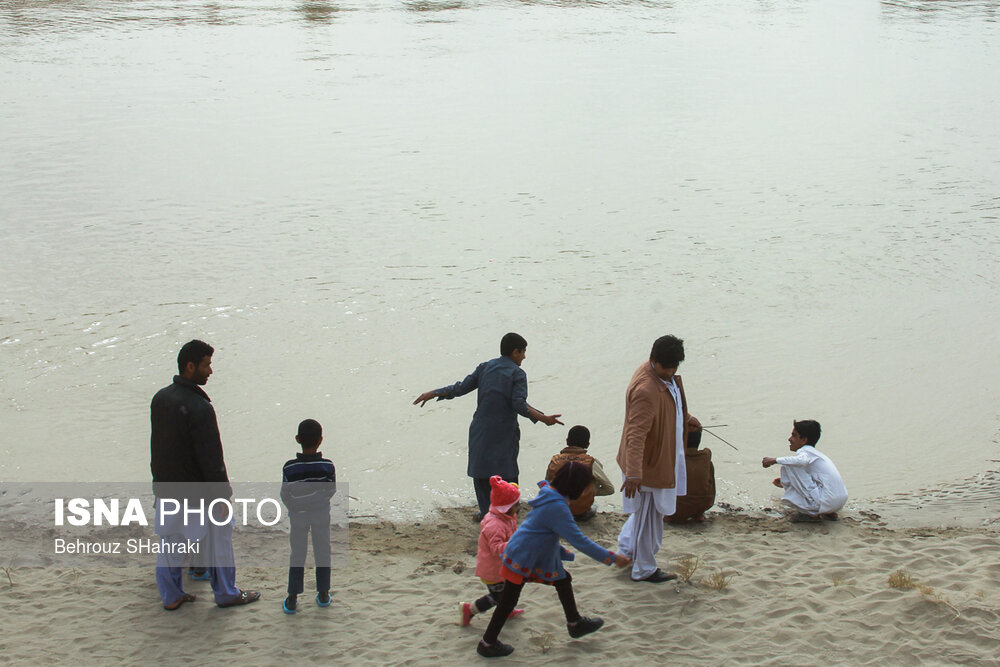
x=290, y=604
x=323, y=599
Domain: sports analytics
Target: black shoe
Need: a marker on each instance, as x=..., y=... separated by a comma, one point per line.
x=584, y=626
x=658, y=577
x=495, y=650
x=477, y=517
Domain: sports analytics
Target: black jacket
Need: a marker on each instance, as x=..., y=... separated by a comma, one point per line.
x=185, y=445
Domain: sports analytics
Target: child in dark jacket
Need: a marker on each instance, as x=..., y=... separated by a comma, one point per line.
x=534, y=554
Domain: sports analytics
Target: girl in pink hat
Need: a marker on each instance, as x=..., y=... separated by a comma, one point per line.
x=494, y=532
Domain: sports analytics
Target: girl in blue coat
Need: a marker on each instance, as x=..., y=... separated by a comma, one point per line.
x=534, y=554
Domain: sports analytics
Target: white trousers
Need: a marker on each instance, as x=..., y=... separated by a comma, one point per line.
x=642, y=536
x=806, y=494
x=800, y=490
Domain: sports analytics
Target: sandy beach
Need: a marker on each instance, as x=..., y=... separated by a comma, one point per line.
x=764, y=591
x=353, y=202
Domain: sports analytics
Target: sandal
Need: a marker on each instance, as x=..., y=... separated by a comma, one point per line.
x=174, y=606
x=245, y=597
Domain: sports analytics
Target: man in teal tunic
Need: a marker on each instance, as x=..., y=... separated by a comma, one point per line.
x=494, y=435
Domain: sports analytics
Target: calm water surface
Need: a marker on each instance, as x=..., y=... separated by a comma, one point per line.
x=353, y=201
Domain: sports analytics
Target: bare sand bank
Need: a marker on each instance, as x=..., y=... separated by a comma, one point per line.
x=764, y=592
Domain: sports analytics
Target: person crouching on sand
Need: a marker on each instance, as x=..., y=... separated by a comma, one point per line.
x=495, y=530
x=813, y=486
x=534, y=554
x=700, y=494
x=577, y=442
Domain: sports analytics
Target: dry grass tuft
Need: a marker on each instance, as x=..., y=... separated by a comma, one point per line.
x=902, y=580
x=6, y=570
x=719, y=581
x=686, y=567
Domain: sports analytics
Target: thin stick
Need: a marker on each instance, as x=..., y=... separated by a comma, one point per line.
x=715, y=426
x=722, y=439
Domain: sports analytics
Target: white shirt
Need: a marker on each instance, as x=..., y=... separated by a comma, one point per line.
x=812, y=482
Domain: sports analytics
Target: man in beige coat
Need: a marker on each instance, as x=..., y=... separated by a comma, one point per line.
x=651, y=455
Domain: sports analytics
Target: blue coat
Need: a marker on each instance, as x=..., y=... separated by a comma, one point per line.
x=494, y=436
x=534, y=551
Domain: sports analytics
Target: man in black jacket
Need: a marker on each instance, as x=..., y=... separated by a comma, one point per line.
x=187, y=461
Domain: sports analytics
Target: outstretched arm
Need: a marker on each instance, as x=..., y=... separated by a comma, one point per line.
x=548, y=420
x=570, y=531
x=519, y=401
x=462, y=388
x=622, y=561
x=801, y=458
x=424, y=397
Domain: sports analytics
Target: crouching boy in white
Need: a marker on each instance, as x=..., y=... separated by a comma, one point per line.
x=812, y=484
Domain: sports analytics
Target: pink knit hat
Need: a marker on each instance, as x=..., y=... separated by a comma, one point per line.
x=504, y=494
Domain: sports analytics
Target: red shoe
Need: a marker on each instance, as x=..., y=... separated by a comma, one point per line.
x=515, y=613
x=466, y=610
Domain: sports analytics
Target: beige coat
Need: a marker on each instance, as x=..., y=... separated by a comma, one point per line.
x=648, y=447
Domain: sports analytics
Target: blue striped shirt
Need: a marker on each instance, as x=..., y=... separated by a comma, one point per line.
x=308, y=482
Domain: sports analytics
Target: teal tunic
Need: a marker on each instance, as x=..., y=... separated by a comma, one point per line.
x=494, y=436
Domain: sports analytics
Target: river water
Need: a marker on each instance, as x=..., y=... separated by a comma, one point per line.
x=353, y=201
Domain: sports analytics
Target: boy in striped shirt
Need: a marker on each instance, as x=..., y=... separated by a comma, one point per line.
x=308, y=482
